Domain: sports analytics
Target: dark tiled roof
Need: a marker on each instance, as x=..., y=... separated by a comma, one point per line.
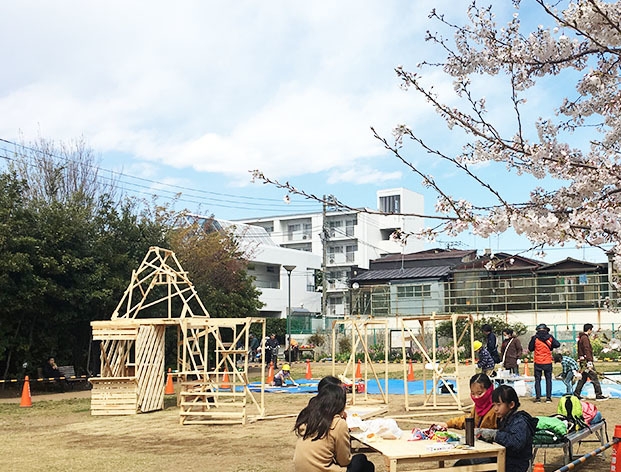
x=571, y=264
x=428, y=254
x=412, y=273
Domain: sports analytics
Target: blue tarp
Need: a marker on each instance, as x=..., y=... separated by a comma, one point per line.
x=395, y=386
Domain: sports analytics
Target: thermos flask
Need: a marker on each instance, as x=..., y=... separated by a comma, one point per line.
x=470, y=431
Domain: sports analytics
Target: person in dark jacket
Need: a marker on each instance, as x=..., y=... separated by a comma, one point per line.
x=541, y=345
x=486, y=363
x=492, y=342
x=515, y=429
x=271, y=350
x=511, y=351
x=585, y=357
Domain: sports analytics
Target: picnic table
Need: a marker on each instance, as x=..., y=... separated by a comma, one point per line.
x=398, y=452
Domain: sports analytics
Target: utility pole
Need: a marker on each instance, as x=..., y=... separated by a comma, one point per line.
x=324, y=244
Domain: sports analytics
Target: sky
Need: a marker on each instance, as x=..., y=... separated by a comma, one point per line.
x=190, y=97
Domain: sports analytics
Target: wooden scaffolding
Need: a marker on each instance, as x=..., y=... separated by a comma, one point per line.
x=132, y=375
x=359, y=329
x=421, y=331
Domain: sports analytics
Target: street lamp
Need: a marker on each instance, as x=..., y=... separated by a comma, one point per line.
x=289, y=269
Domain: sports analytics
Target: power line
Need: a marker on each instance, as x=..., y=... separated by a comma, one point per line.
x=245, y=202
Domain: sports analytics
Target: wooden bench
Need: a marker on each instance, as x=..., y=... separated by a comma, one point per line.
x=68, y=372
x=599, y=430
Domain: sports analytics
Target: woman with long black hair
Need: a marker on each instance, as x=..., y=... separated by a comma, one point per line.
x=323, y=436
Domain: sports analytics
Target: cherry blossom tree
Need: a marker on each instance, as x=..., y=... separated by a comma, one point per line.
x=577, y=146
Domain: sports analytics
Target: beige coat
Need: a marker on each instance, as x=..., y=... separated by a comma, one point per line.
x=331, y=453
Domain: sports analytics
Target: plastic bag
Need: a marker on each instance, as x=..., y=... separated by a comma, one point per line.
x=385, y=428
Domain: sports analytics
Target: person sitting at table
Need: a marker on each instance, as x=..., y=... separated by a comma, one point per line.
x=481, y=389
x=323, y=436
x=515, y=429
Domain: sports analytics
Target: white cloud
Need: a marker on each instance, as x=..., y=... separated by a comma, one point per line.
x=213, y=87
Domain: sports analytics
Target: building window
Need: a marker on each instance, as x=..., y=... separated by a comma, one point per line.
x=390, y=204
x=270, y=269
x=414, y=291
x=350, y=227
x=335, y=228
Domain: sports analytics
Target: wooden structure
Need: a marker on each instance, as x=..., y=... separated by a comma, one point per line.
x=359, y=329
x=444, y=374
x=132, y=375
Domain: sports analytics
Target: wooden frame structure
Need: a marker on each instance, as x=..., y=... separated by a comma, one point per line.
x=441, y=372
x=359, y=336
x=132, y=374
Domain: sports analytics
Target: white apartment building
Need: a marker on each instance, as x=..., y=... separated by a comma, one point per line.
x=347, y=240
x=267, y=265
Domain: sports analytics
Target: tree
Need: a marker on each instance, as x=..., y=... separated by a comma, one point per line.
x=68, y=249
x=575, y=146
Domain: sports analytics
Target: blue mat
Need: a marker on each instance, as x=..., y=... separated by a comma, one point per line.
x=416, y=387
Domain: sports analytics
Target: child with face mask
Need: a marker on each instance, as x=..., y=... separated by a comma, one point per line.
x=481, y=389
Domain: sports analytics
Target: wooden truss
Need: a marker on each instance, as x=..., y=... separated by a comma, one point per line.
x=421, y=332
x=359, y=329
x=132, y=374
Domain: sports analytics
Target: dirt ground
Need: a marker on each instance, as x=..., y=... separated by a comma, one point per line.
x=58, y=433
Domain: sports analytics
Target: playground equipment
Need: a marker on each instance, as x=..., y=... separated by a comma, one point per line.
x=359, y=329
x=421, y=331
x=214, y=388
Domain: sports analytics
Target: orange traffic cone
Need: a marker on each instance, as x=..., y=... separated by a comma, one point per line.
x=170, y=388
x=309, y=375
x=538, y=467
x=467, y=361
x=411, y=372
x=26, y=398
x=225, y=379
x=526, y=369
x=358, y=372
x=270, y=373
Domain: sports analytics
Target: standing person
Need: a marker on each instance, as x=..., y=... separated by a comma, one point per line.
x=570, y=368
x=323, y=436
x=486, y=363
x=271, y=350
x=515, y=429
x=511, y=351
x=492, y=342
x=541, y=344
x=585, y=357
x=292, y=351
x=254, y=346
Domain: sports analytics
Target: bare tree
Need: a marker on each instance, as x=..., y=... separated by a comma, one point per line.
x=60, y=172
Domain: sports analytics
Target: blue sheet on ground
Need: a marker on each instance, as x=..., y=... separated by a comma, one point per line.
x=416, y=387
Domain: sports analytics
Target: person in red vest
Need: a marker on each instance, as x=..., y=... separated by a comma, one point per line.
x=541, y=345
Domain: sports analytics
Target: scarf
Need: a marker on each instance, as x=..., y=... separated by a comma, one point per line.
x=483, y=403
